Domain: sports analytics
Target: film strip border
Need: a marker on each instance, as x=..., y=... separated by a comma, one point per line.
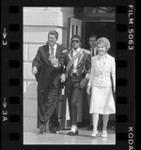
x=125, y=76
x=11, y=81
x=11, y=75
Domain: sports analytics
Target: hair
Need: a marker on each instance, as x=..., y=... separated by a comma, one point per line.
x=76, y=36
x=104, y=41
x=93, y=35
x=55, y=33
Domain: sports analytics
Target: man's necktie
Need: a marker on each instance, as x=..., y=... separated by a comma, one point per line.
x=52, y=51
x=93, y=54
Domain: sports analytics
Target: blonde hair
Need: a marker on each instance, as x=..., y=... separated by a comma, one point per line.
x=104, y=41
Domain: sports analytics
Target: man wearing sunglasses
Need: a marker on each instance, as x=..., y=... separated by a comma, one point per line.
x=77, y=62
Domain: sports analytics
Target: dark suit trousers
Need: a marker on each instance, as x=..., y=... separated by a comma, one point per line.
x=47, y=105
x=73, y=93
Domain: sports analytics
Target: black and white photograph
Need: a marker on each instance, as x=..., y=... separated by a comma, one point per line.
x=69, y=75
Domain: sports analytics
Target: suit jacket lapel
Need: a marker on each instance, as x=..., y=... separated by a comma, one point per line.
x=106, y=61
x=58, y=51
x=46, y=52
x=98, y=66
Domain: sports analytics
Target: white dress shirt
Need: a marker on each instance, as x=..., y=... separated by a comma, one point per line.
x=76, y=61
x=55, y=49
x=91, y=49
x=54, y=53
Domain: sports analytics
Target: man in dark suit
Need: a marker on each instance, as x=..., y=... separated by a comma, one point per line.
x=93, y=51
x=78, y=63
x=48, y=72
x=92, y=44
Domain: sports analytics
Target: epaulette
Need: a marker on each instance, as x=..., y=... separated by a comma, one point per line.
x=87, y=51
x=64, y=51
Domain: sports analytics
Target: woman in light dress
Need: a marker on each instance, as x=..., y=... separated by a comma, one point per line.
x=102, y=101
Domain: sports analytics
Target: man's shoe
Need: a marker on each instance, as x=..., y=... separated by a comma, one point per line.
x=42, y=129
x=54, y=129
x=57, y=128
x=71, y=133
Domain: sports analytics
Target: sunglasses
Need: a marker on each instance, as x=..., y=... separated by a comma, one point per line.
x=76, y=41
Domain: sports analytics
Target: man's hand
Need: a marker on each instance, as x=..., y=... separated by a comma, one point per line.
x=88, y=89
x=83, y=83
x=34, y=70
x=54, y=61
x=63, y=77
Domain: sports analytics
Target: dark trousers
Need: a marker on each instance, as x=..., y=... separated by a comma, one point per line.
x=54, y=120
x=73, y=93
x=47, y=106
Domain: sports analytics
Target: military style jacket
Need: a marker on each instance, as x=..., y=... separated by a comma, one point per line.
x=83, y=63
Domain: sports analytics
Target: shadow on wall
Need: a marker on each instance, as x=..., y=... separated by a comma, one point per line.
x=30, y=104
x=30, y=89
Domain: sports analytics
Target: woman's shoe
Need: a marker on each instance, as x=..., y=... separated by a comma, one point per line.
x=104, y=134
x=94, y=135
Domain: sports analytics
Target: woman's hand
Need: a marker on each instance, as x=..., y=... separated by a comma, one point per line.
x=83, y=83
x=63, y=77
x=88, y=89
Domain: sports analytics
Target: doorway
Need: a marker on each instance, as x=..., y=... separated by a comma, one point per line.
x=101, y=29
